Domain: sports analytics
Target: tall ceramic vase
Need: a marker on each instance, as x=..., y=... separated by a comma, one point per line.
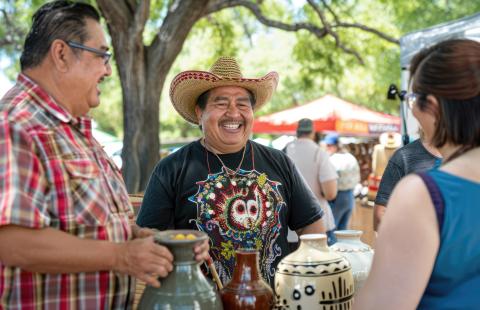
x=185, y=287
x=247, y=290
x=359, y=254
x=313, y=277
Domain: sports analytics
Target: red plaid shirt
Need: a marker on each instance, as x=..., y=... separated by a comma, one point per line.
x=53, y=173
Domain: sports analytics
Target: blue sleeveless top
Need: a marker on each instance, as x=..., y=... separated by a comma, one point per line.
x=455, y=279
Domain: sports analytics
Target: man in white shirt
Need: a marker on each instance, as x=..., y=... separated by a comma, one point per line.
x=317, y=170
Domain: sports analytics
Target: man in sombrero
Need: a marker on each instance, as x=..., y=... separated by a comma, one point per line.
x=242, y=194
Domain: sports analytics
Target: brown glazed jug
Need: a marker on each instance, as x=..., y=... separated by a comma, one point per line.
x=247, y=290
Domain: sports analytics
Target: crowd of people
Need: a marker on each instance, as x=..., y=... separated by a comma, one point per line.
x=66, y=236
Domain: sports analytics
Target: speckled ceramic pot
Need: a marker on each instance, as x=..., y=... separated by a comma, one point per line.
x=313, y=277
x=359, y=254
x=185, y=287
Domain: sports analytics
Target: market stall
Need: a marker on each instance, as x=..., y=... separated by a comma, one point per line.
x=329, y=113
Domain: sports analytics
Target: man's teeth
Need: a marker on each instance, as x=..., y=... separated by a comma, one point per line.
x=231, y=125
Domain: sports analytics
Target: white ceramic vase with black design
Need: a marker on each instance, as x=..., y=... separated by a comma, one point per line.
x=314, y=277
x=359, y=254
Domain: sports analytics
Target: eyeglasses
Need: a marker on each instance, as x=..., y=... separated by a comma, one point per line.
x=412, y=98
x=105, y=55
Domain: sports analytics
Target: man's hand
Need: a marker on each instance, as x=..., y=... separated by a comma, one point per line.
x=144, y=259
x=141, y=232
x=201, y=251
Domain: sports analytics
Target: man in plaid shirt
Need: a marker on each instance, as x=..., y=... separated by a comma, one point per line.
x=65, y=235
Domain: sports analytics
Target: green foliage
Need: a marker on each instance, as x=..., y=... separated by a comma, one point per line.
x=309, y=67
x=414, y=15
x=328, y=69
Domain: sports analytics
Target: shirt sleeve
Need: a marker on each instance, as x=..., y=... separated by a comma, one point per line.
x=157, y=210
x=392, y=174
x=327, y=171
x=23, y=184
x=304, y=206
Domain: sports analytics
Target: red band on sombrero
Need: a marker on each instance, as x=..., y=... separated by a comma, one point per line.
x=187, y=86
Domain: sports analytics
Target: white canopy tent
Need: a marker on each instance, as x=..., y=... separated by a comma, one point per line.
x=467, y=27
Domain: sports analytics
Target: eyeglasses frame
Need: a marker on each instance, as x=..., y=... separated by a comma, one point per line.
x=412, y=98
x=106, y=55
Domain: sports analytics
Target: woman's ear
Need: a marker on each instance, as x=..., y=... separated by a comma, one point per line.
x=433, y=105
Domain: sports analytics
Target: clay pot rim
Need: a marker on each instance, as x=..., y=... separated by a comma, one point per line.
x=165, y=237
x=348, y=233
x=313, y=237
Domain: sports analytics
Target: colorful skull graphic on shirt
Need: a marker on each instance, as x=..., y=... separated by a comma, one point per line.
x=240, y=211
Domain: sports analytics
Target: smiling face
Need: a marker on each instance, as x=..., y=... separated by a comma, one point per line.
x=227, y=119
x=88, y=70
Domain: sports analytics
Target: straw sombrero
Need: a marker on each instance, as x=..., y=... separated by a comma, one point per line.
x=187, y=86
x=391, y=140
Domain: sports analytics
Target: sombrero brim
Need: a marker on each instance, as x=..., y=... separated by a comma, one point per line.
x=187, y=86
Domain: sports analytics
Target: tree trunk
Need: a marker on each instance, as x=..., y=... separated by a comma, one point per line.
x=143, y=68
x=142, y=71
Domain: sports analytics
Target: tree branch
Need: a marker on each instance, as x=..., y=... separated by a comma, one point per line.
x=255, y=9
x=319, y=32
x=116, y=13
x=174, y=30
x=378, y=33
x=329, y=9
x=140, y=18
x=368, y=29
x=329, y=30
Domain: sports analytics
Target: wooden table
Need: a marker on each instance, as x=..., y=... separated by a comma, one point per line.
x=362, y=219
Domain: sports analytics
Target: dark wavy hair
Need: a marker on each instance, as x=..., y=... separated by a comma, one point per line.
x=450, y=71
x=63, y=20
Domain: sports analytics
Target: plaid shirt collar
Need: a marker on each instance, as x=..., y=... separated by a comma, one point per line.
x=43, y=99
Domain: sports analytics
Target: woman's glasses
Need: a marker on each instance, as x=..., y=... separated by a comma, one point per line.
x=412, y=98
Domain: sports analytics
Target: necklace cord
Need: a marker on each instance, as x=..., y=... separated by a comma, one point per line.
x=230, y=172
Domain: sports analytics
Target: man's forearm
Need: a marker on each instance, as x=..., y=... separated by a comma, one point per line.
x=52, y=251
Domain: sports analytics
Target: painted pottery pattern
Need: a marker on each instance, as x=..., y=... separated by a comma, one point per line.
x=313, y=277
x=359, y=254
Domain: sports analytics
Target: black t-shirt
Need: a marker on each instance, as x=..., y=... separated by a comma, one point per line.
x=249, y=210
x=413, y=157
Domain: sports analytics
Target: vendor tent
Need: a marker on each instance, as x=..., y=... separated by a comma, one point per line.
x=329, y=113
x=410, y=44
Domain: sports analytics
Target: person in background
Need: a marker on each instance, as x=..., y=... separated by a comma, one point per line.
x=241, y=193
x=428, y=247
x=66, y=241
x=348, y=172
x=381, y=154
x=417, y=156
x=318, y=171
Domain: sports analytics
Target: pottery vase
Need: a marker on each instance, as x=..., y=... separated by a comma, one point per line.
x=247, y=290
x=313, y=277
x=359, y=254
x=185, y=287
